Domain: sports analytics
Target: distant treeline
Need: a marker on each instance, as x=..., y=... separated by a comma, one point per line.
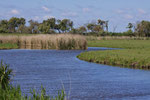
x=52, y=25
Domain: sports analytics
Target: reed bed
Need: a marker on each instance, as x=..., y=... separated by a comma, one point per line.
x=55, y=41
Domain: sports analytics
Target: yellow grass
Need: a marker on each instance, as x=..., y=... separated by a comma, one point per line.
x=55, y=41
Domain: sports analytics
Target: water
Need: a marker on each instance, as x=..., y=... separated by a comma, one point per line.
x=82, y=80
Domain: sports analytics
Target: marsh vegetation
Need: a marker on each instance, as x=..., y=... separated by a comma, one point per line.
x=59, y=41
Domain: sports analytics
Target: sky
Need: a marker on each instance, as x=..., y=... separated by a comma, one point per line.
x=118, y=12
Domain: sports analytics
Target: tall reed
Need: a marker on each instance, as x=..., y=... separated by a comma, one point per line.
x=55, y=41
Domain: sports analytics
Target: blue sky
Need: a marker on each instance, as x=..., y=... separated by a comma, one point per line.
x=118, y=12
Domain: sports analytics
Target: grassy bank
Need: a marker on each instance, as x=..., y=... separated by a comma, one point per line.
x=57, y=41
x=8, y=46
x=135, y=53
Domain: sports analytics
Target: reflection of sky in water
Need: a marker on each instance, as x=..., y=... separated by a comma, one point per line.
x=88, y=81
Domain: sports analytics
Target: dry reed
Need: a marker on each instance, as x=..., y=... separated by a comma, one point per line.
x=55, y=41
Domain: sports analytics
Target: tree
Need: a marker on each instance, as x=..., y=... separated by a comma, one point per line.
x=33, y=28
x=3, y=26
x=14, y=24
x=143, y=28
x=51, y=22
x=21, y=25
x=97, y=29
x=130, y=26
x=103, y=24
x=58, y=25
x=21, y=28
x=90, y=27
x=82, y=29
x=48, y=26
x=44, y=28
x=71, y=25
x=66, y=25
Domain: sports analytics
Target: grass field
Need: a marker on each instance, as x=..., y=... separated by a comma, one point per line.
x=126, y=44
x=135, y=53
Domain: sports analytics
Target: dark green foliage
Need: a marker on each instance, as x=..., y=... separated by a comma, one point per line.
x=52, y=25
x=5, y=75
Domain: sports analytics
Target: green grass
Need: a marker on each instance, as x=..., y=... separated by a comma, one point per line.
x=8, y=46
x=126, y=44
x=14, y=93
x=135, y=53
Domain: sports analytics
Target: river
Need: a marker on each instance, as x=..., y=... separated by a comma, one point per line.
x=82, y=80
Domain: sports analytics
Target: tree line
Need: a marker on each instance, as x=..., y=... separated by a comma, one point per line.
x=49, y=26
x=53, y=25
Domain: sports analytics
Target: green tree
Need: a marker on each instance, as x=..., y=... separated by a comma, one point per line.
x=66, y=25
x=97, y=29
x=143, y=28
x=44, y=28
x=130, y=26
x=90, y=27
x=82, y=29
x=33, y=28
x=103, y=24
x=3, y=26
x=14, y=23
x=58, y=26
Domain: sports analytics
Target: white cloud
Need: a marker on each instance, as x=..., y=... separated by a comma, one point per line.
x=127, y=16
x=86, y=10
x=69, y=14
x=36, y=18
x=119, y=11
x=141, y=11
x=46, y=9
x=14, y=11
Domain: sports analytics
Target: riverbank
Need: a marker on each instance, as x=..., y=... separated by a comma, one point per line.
x=135, y=53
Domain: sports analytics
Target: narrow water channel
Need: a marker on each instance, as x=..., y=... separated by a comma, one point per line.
x=83, y=80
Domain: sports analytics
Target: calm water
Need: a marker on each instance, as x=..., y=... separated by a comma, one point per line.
x=85, y=81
